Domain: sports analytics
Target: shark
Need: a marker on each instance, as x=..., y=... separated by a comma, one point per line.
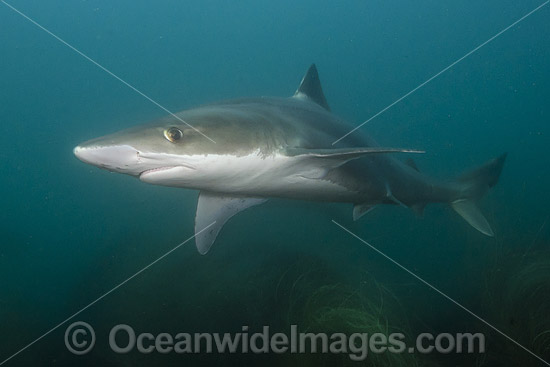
x=240, y=153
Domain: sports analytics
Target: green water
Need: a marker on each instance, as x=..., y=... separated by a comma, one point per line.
x=71, y=232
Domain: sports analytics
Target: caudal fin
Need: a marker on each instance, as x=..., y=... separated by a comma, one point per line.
x=476, y=183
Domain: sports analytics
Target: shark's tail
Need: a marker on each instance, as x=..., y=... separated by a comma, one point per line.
x=475, y=184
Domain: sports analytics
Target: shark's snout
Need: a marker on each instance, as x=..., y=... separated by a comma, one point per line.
x=119, y=158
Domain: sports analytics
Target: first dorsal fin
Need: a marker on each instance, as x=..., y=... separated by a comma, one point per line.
x=310, y=88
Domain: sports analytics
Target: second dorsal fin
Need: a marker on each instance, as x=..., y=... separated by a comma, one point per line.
x=310, y=88
x=411, y=163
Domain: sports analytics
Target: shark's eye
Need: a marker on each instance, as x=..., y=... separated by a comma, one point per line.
x=173, y=134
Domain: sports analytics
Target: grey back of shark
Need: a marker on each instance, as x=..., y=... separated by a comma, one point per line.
x=279, y=147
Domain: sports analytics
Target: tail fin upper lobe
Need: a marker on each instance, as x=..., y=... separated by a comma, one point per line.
x=476, y=184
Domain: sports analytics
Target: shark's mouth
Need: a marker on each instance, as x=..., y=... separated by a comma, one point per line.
x=165, y=175
x=153, y=170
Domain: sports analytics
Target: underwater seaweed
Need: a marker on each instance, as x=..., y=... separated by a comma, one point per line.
x=336, y=307
x=517, y=296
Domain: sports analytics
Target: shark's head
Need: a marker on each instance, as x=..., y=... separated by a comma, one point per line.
x=171, y=152
x=138, y=150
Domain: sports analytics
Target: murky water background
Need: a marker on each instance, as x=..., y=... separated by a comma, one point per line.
x=70, y=232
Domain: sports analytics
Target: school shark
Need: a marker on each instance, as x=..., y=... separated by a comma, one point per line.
x=240, y=153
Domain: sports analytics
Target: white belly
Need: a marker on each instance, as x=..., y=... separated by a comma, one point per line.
x=255, y=175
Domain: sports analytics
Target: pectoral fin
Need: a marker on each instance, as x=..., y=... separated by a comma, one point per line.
x=217, y=209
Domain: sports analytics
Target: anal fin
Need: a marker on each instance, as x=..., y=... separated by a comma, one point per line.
x=418, y=209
